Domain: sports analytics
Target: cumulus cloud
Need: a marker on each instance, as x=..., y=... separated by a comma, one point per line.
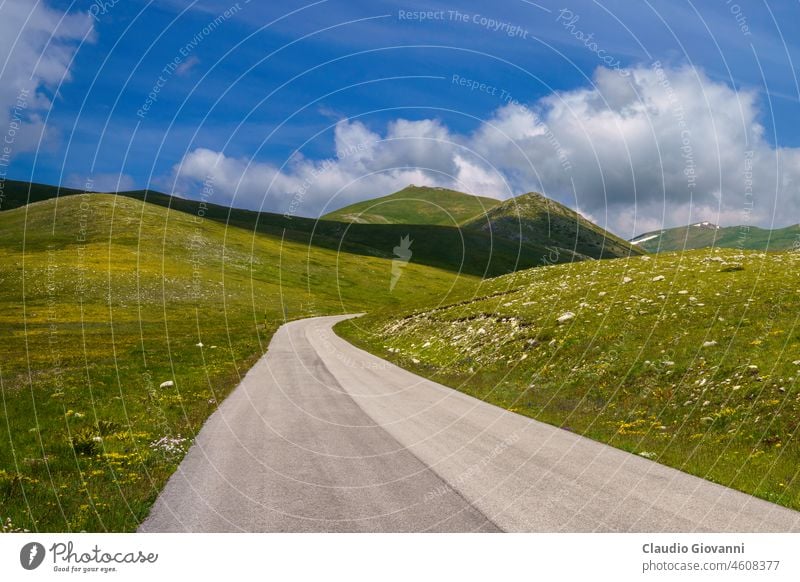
x=658, y=147
x=38, y=44
x=365, y=164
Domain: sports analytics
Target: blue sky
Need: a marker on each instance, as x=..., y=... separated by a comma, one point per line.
x=270, y=80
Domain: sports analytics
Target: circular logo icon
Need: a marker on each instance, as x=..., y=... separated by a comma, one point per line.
x=31, y=555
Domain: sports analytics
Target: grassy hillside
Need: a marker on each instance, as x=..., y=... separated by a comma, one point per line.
x=689, y=359
x=103, y=299
x=471, y=250
x=705, y=235
x=416, y=205
x=537, y=220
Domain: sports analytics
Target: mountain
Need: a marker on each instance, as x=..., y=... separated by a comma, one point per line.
x=537, y=220
x=706, y=234
x=552, y=232
x=416, y=205
x=433, y=245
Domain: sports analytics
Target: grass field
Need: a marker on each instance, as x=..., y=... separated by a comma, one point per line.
x=103, y=299
x=689, y=359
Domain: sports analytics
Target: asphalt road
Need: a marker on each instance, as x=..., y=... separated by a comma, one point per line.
x=323, y=437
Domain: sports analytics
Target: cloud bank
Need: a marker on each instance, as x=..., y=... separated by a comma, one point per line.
x=37, y=44
x=657, y=147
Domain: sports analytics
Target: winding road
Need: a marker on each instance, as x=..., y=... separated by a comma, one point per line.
x=323, y=437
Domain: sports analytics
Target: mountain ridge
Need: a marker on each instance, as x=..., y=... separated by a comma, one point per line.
x=709, y=235
x=465, y=247
x=535, y=218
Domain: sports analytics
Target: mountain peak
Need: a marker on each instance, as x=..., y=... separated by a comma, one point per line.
x=433, y=205
x=534, y=218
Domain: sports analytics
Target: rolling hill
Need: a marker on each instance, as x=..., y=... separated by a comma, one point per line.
x=706, y=235
x=15, y=194
x=553, y=233
x=534, y=219
x=416, y=205
x=686, y=358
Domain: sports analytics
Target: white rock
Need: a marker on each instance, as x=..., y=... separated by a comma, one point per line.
x=199, y=344
x=602, y=294
x=683, y=292
x=167, y=384
x=709, y=344
x=565, y=317
x=626, y=279
x=659, y=278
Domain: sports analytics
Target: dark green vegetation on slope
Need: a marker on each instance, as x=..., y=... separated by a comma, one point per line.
x=704, y=235
x=689, y=359
x=416, y=205
x=103, y=299
x=15, y=194
x=539, y=221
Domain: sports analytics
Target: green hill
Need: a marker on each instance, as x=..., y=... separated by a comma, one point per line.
x=690, y=358
x=556, y=234
x=539, y=221
x=416, y=205
x=104, y=298
x=446, y=247
x=706, y=235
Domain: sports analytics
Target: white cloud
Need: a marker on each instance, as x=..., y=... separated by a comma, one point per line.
x=186, y=66
x=658, y=147
x=38, y=44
